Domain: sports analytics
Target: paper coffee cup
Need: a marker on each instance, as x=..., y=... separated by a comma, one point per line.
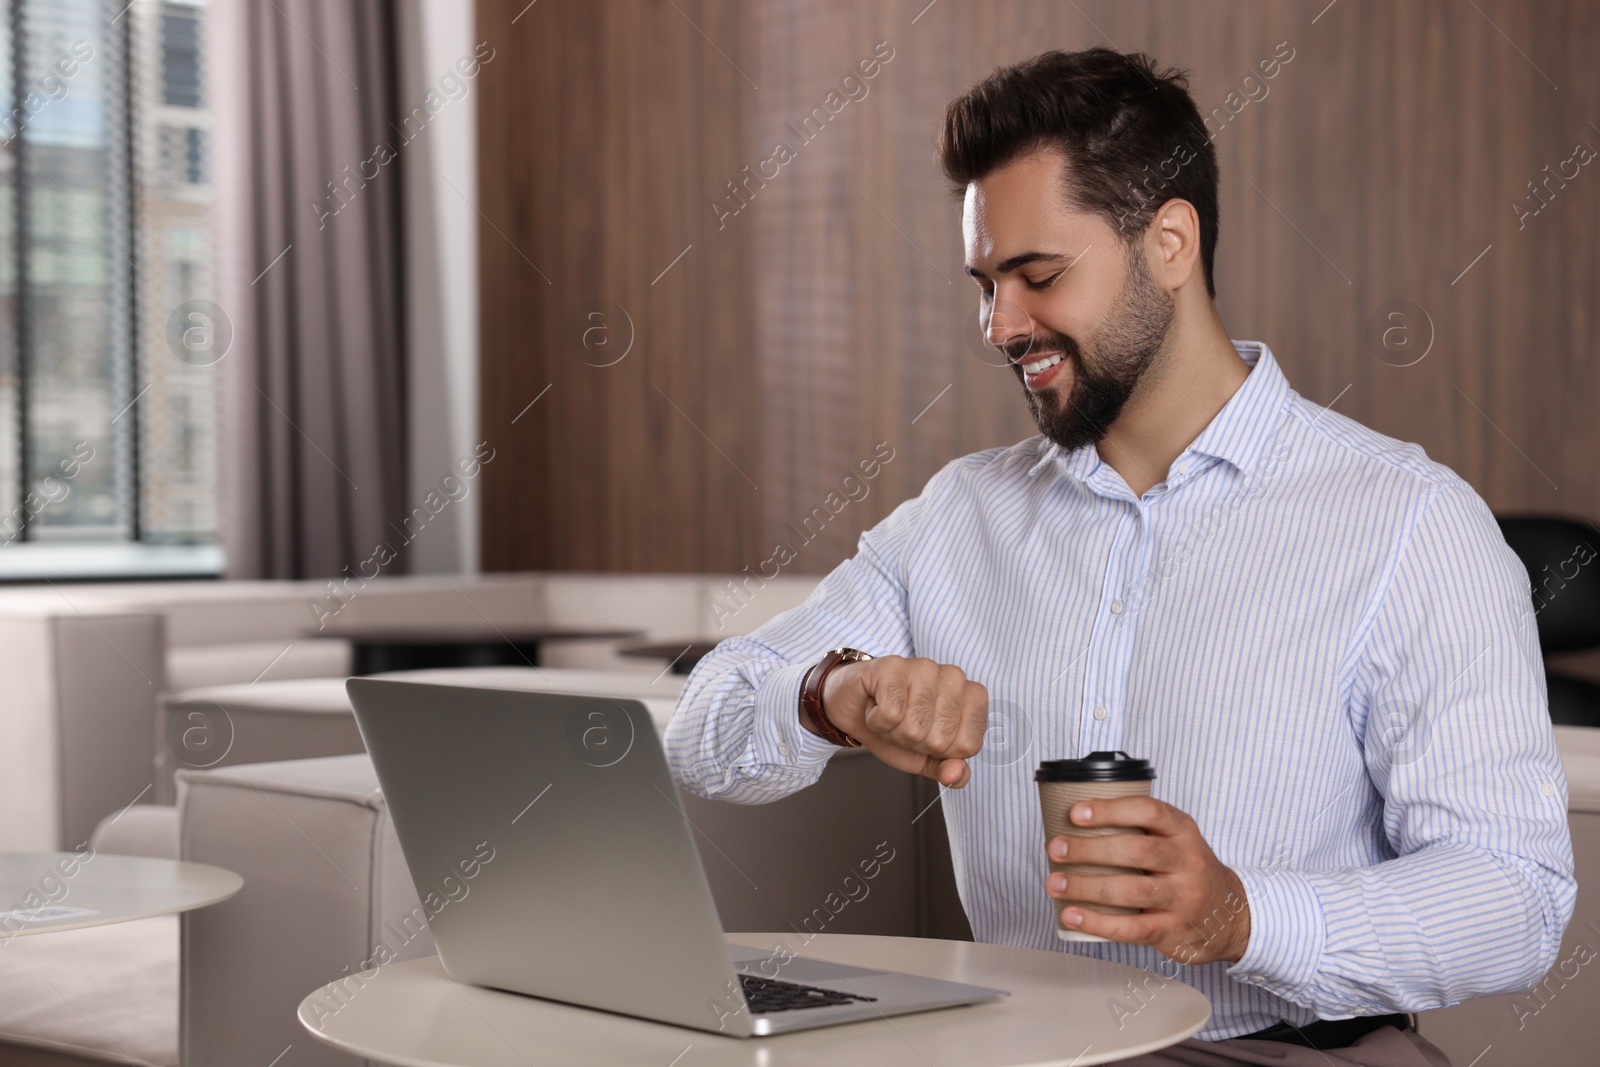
x=1062, y=783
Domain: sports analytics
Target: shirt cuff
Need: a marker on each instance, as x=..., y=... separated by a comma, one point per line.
x=1287, y=932
x=779, y=737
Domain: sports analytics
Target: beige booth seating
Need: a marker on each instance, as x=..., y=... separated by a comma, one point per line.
x=80, y=688
x=225, y=725
x=86, y=664
x=303, y=718
x=665, y=606
x=325, y=884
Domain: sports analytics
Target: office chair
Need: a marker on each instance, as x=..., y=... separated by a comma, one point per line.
x=1563, y=562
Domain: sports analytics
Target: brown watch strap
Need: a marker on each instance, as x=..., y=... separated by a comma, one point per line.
x=811, y=695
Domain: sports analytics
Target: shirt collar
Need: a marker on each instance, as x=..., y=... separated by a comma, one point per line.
x=1241, y=430
x=1237, y=433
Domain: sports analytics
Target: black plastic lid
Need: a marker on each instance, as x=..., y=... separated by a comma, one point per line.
x=1096, y=767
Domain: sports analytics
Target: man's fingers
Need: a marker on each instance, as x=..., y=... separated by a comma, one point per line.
x=1118, y=890
x=1146, y=813
x=953, y=772
x=1144, y=851
x=1129, y=929
x=1194, y=909
x=948, y=710
x=974, y=718
x=926, y=708
x=886, y=695
x=922, y=707
x=927, y=724
x=948, y=772
x=901, y=758
x=945, y=732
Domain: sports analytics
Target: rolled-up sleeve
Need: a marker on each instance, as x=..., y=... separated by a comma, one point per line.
x=1448, y=697
x=735, y=734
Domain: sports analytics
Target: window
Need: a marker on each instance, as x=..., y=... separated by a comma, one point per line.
x=180, y=56
x=107, y=339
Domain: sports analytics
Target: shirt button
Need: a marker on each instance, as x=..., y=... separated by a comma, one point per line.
x=1116, y=607
x=1101, y=712
x=1548, y=789
x=784, y=748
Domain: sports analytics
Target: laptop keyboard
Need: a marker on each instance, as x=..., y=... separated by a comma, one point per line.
x=768, y=995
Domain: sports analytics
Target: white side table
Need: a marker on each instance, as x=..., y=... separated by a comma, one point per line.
x=1060, y=1012
x=41, y=892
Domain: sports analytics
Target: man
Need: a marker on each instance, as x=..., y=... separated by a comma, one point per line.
x=1316, y=634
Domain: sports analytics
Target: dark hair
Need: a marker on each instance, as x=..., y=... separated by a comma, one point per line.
x=1132, y=136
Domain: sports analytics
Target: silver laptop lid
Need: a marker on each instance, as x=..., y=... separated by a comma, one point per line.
x=498, y=798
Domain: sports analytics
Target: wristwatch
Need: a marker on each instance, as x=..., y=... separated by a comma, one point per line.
x=811, y=709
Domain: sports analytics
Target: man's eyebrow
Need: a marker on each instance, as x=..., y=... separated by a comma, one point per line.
x=1009, y=265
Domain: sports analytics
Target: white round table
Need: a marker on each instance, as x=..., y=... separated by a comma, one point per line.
x=1060, y=1013
x=41, y=892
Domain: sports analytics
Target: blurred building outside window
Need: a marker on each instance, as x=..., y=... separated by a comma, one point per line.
x=108, y=339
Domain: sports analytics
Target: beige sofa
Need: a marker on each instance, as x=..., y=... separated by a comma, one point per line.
x=86, y=664
x=302, y=718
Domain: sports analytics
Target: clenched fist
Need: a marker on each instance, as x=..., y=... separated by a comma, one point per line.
x=916, y=715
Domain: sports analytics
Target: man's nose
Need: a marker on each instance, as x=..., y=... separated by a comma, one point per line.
x=1008, y=322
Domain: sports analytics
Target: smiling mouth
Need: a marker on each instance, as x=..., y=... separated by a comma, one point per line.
x=1042, y=364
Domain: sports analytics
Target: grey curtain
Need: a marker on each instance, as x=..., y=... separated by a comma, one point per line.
x=312, y=411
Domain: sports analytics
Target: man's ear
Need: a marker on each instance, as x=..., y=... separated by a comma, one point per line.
x=1175, y=236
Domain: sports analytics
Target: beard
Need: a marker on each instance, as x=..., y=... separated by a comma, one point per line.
x=1122, y=351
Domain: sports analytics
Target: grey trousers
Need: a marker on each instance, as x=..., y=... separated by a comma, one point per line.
x=1387, y=1047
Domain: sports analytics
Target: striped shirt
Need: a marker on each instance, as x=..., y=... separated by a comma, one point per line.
x=1317, y=635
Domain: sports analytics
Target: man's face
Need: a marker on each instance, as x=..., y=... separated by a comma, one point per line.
x=1070, y=304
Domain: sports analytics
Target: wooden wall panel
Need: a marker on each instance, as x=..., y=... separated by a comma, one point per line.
x=829, y=312
x=603, y=128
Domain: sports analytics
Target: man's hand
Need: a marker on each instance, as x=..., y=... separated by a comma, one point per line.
x=1195, y=909
x=915, y=715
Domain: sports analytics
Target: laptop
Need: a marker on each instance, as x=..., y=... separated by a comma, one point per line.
x=552, y=856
